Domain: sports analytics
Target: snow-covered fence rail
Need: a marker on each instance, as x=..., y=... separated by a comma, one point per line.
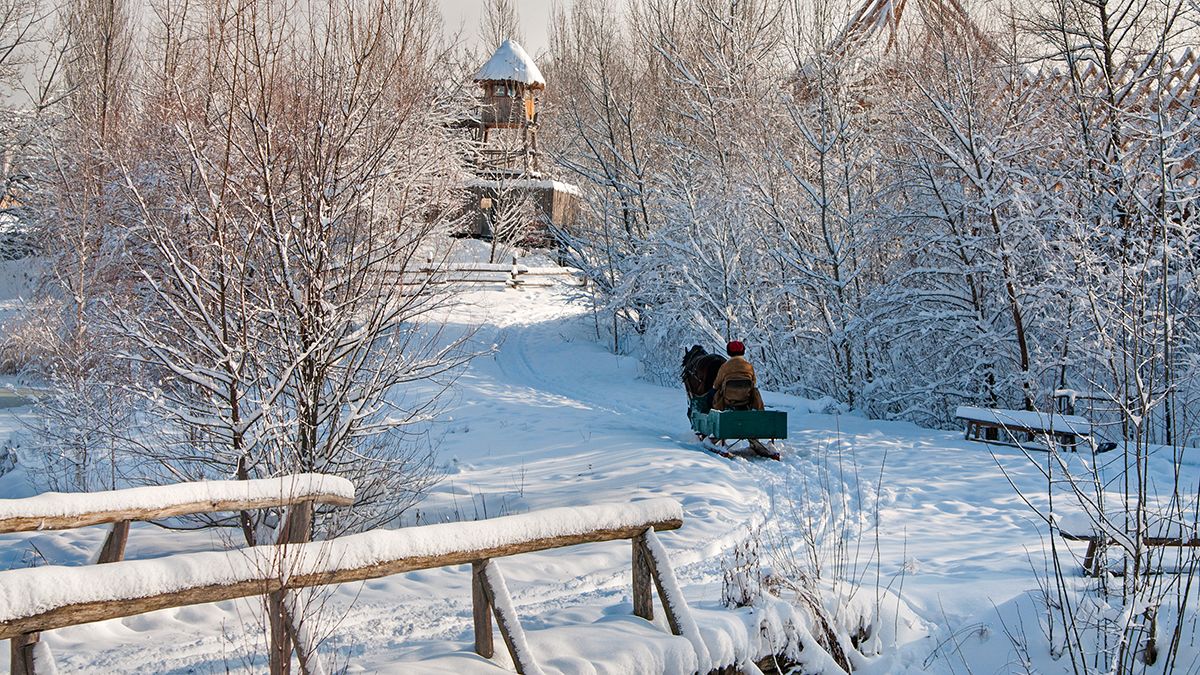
x=44, y=598
x=57, y=511
x=512, y=274
x=62, y=511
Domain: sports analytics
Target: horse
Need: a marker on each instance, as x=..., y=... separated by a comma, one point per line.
x=699, y=371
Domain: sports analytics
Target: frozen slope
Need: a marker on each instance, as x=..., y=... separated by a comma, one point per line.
x=548, y=417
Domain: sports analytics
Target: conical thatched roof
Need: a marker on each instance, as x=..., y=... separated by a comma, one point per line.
x=511, y=63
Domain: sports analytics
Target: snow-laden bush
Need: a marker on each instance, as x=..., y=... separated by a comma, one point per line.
x=814, y=558
x=950, y=233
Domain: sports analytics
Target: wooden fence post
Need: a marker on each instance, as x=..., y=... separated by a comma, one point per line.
x=673, y=619
x=297, y=529
x=481, y=609
x=492, y=583
x=113, y=549
x=643, y=598
x=22, y=653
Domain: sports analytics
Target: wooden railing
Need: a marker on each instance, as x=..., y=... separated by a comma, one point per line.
x=1098, y=542
x=135, y=587
x=55, y=511
x=514, y=274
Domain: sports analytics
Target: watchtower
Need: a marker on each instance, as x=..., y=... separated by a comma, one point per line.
x=511, y=198
x=512, y=86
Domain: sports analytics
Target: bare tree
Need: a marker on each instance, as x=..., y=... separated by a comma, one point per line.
x=73, y=207
x=500, y=22
x=237, y=217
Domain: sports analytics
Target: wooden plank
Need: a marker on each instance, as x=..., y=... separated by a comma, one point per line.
x=72, y=614
x=474, y=268
x=1097, y=543
x=481, y=610
x=510, y=627
x=1172, y=541
x=643, y=596
x=29, y=524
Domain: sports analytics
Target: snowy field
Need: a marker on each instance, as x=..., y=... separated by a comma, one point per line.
x=549, y=418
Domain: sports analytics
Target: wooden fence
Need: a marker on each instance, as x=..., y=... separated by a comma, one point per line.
x=128, y=588
x=513, y=274
x=121, y=507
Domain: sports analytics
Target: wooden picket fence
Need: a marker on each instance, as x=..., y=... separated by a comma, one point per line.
x=322, y=563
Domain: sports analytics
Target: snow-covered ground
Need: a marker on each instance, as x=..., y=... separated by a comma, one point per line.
x=550, y=419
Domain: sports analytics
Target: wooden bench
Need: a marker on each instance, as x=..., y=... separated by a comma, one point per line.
x=134, y=587
x=1098, y=542
x=56, y=511
x=1018, y=427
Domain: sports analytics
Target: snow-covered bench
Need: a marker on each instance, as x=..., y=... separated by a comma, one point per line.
x=63, y=511
x=1017, y=427
x=1156, y=532
x=44, y=598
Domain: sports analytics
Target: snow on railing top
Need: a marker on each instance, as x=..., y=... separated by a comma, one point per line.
x=1025, y=419
x=42, y=598
x=56, y=511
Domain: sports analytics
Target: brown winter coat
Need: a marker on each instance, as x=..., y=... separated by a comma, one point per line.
x=736, y=368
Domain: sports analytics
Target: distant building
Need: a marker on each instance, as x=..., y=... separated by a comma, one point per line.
x=510, y=195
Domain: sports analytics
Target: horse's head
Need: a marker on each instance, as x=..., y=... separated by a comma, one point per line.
x=695, y=351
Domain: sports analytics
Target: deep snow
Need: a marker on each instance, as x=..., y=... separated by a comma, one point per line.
x=552, y=419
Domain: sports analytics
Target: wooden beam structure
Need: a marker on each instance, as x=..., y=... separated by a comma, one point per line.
x=113, y=549
x=22, y=653
x=323, y=565
x=1098, y=542
x=674, y=620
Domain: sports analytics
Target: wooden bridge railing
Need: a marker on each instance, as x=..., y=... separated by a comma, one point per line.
x=32, y=600
x=59, y=511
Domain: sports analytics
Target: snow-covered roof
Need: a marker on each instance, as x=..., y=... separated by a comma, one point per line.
x=511, y=63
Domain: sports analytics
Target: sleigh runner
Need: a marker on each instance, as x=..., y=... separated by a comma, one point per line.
x=753, y=426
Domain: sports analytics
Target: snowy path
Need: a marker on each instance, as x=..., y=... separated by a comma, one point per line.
x=553, y=419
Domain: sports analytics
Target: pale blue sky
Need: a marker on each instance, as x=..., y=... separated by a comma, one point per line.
x=535, y=17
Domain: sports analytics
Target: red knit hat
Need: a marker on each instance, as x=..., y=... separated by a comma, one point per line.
x=735, y=348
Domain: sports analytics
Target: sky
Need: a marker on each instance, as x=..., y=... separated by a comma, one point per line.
x=535, y=19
